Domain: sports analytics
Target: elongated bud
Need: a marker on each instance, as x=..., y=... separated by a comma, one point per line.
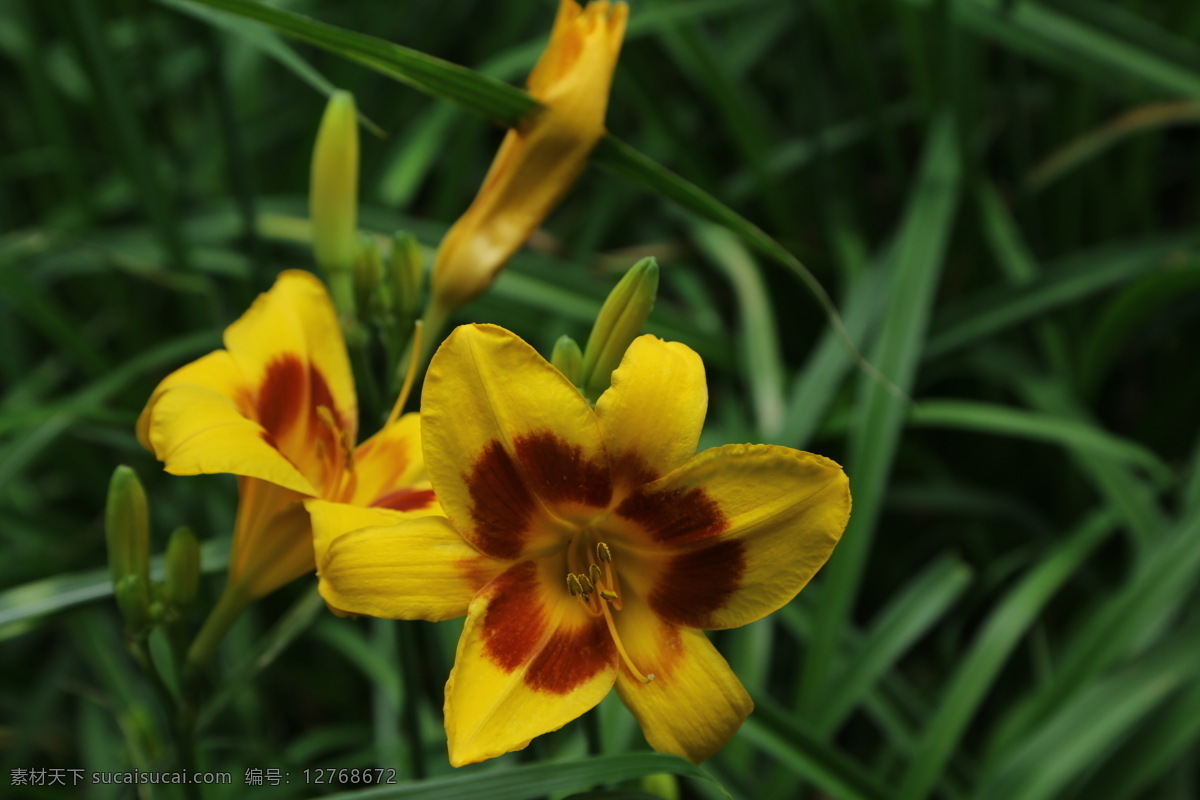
x=567, y=358
x=183, y=569
x=619, y=323
x=370, y=293
x=406, y=269
x=539, y=161
x=133, y=598
x=333, y=199
x=127, y=527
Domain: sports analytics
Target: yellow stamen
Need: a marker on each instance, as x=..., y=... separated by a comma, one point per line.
x=573, y=585
x=594, y=573
x=609, y=595
x=603, y=554
x=588, y=586
x=345, y=448
x=612, y=629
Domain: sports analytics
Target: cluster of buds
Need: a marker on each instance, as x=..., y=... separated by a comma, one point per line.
x=620, y=321
x=145, y=603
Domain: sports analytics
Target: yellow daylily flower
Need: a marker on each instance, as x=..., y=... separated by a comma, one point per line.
x=540, y=160
x=277, y=408
x=587, y=547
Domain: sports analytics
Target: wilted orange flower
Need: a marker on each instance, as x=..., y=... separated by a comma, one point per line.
x=540, y=160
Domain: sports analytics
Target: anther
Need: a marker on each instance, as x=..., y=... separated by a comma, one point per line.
x=609, y=595
x=594, y=573
x=603, y=554
x=573, y=584
x=588, y=588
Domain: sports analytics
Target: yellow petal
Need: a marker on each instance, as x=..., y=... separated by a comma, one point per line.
x=511, y=446
x=389, y=471
x=741, y=529
x=332, y=520
x=195, y=430
x=289, y=349
x=272, y=538
x=530, y=660
x=254, y=409
x=538, y=162
x=652, y=414
x=415, y=568
x=215, y=371
x=695, y=703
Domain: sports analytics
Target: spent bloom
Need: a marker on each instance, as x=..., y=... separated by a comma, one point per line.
x=541, y=159
x=277, y=408
x=587, y=547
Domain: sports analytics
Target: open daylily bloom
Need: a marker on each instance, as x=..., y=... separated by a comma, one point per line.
x=587, y=547
x=277, y=408
x=540, y=160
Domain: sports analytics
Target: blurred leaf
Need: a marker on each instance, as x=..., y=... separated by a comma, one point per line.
x=479, y=93
x=992, y=310
x=977, y=671
x=1069, y=433
x=909, y=615
x=808, y=757
x=761, y=361
x=1084, y=731
x=266, y=41
x=916, y=268
x=48, y=595
x=519, y=783
x=296, y=621
x=1044, y=33
x=1086, y=147
x=1130, y=619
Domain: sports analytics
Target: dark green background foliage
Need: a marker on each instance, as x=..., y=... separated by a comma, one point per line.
x=1000, y=197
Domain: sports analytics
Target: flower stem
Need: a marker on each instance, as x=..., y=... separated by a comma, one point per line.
x=219, y=621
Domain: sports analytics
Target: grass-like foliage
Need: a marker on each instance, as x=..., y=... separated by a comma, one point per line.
x=952, y=244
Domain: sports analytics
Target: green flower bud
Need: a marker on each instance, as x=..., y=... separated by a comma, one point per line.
x=619, y=323
x=406, y=272
x=183, y=569
x=370, y=293
x=133, y=598
x=127, y=528
x=567, y=358
x=333, y=199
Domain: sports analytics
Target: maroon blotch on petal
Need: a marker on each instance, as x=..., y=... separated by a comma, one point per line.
x=699, y=582
x=501, y=505
x=559, y=472
x=515, y=622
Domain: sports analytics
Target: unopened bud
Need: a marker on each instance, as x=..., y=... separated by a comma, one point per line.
x=333, y=199
x=619, y=323
x=567, y=358
x=406, y=269
x=127, y=527
x=183, y=569
x=370, y=293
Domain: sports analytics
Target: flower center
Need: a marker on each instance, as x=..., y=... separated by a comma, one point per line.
x=336, y=453
x=599, y=592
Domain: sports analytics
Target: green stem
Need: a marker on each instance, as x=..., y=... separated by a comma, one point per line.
x=219, y=621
